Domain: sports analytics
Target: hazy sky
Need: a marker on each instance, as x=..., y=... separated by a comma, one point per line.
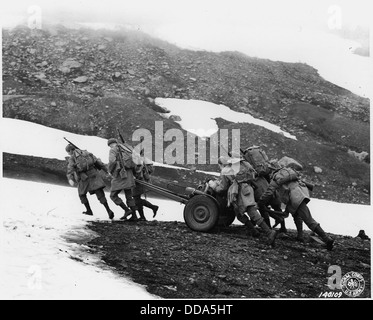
x=297, y=13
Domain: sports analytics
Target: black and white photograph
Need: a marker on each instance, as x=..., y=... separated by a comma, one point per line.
x=202, y=153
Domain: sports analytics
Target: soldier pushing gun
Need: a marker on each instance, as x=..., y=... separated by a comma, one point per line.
x=83, y=170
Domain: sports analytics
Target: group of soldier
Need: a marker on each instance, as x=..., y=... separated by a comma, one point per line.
x=254, y=197
x=83, y=171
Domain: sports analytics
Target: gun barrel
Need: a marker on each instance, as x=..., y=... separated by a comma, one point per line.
x=120, y=136
x=191, y=190
x=76, y=147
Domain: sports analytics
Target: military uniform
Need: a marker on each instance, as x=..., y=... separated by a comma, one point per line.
x=83, y=169
x=241, y=194
x=295, y=195
x=121, y=167
x=142, y=172
x=261, y=185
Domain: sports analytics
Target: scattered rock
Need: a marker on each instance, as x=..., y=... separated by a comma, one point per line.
x=71, y=64
x=64, y=70
x=117, y=76
x=317, y=169
x=362, y=156
x=81, y=79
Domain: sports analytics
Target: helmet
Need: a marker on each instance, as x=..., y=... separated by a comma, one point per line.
x=69, y=148
x=112, y=140
x=223, y=160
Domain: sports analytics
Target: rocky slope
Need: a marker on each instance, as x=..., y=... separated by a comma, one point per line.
x=174, y=262
x=93, y=82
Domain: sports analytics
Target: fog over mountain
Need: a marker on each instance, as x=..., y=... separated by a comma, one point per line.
x=323, y=34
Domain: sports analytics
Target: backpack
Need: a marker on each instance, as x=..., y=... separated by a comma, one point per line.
x=246, y=173
x=84, y=160
x=257, y=157
x=126, y=157
x=285, y=175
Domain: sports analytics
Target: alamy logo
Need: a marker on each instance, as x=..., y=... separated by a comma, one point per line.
x=186, y=147
x=35, y=280
x=335, y=18
x=34, y=19
x=352, y=283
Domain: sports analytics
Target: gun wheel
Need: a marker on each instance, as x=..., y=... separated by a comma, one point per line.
x=201, y=213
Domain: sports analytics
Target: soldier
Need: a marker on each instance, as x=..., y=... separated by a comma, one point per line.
x=260, y=186
x=144, y=169
x=241, y=194
x=83, y=169
x=121, y=167
x=294, y=193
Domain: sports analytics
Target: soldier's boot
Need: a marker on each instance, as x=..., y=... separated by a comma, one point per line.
x=155, y=209
x=133, y=214
x=141, y=213
x=265, y=216
x=283, y=227
x=278, y=220
x=270, y=233
x=109, y=212
x=299, y=226
x=147, y=204
x=127, y=211
x=251, y=230
x=89, y=210
x=328, y=240
x=267, y=221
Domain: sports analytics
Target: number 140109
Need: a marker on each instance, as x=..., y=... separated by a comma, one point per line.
x=330, y=294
